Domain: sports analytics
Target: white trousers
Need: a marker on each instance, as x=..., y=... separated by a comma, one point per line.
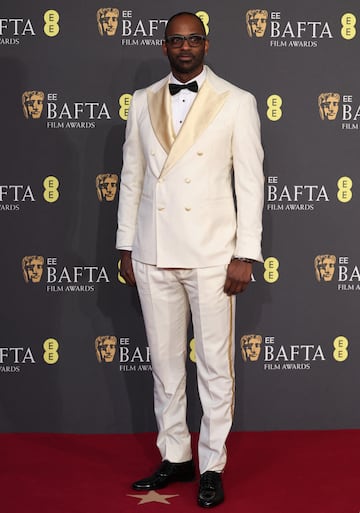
x=167, y=296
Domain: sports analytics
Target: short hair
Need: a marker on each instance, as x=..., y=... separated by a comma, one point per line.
x=185, y=13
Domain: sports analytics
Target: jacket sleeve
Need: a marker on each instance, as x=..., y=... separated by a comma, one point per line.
x=248, y=179
x=132, y=178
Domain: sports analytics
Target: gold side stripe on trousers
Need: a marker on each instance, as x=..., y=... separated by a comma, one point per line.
x=231, y=361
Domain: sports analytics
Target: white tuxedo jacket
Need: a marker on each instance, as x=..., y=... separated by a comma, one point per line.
x=177, y=206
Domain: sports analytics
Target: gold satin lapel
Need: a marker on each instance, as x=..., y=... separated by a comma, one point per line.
x=205, y=107
x=160, y=116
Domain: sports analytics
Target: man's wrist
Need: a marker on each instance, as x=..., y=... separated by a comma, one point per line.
x=244, y=259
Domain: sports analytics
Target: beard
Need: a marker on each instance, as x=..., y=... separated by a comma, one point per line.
x=186, y=62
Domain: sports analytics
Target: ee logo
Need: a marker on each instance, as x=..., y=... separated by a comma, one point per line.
x=51, y=185
x=205, y=19
x=274, y=111
x=51, y=27
x=120, y=278
x=51, y=355
x=344, y=189
x=348, y=22
x=192, y=354
x=271, y=266
x=340, y=349
x=124, y=102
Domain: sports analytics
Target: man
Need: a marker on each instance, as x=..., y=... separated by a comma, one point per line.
x=186, y=246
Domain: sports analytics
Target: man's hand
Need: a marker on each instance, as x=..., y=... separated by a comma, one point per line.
x=238, y=277
x=126, y=268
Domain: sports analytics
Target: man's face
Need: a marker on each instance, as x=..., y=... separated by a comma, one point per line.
x=258, y=24
x=326, y=269
x=330, y=107
x=34, y=106
x=108, y=188
x=107, y=350
x=186, y=60
x=34, y=270
x=109, y=22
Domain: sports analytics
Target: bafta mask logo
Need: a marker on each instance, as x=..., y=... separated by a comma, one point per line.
x=32, y=268
x=32, y=103
x=324, y=267
x=105, y=348
x=256, y=21
x=106, y=186
x=328, y=105
x=107, y=20
x=250, y=347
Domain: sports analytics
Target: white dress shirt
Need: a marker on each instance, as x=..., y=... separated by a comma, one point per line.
x=182, y=101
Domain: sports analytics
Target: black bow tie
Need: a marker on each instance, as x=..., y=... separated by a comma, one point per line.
x=175, y=88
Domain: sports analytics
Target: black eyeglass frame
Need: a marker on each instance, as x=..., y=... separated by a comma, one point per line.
x=193, y=43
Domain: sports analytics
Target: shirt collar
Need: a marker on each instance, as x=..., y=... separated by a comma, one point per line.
x=200, y=79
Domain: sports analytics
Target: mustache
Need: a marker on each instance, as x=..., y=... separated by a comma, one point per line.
x=185, y=53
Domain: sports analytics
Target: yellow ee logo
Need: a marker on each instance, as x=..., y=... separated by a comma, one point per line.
x=348, y=22
x=51, y=27
x=120, y=278
x=344, y=189
x=271, y=266
x=205, y=19
x=124, y=102
x=192, y=354
x=51, y=185
x=274, y=111
x=340, y=349
x=51, y=355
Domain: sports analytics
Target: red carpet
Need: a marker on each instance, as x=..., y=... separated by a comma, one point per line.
x=277, y=472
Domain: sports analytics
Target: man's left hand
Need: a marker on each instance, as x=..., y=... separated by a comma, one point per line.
x=238, y=277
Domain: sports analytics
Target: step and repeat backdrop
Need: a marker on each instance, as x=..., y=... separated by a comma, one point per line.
x=73, y=353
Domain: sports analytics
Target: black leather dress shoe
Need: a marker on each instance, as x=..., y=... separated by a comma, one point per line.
x=167, y=473
x=211, y=492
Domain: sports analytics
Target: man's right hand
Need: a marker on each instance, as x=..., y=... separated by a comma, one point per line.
x=126, y=268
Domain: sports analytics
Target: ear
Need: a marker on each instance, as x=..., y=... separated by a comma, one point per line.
x=207, y=44
x=164, y=48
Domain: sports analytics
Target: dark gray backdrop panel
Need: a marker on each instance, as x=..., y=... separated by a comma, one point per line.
x=304, y=377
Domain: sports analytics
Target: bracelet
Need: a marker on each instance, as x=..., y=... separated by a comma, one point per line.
x=247, y=260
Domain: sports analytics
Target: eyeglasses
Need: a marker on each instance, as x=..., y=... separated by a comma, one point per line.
x=177, y=41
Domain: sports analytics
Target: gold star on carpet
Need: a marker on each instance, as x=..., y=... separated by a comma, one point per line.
x=153, y=496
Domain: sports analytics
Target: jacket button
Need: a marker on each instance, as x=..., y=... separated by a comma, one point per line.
x=187, y=180
x=187, y=209
x=161, y=208
x=200, y=153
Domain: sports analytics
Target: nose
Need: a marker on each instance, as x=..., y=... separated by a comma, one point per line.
x=186, y=44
